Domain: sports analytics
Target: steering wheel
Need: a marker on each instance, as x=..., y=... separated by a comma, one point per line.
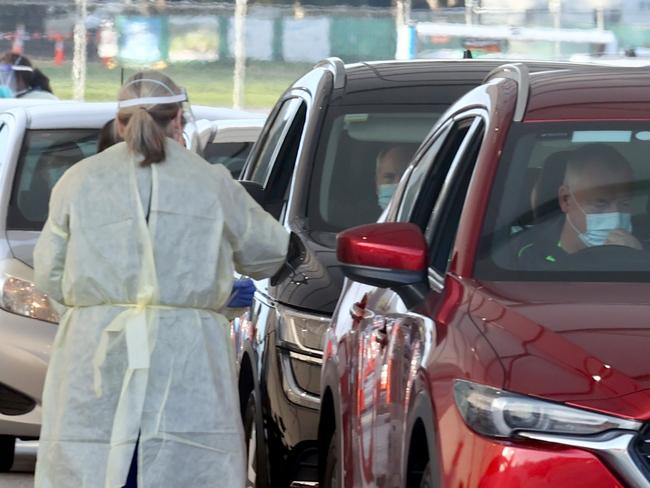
x=610, y=257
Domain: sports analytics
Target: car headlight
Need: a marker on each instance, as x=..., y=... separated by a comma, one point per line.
x=23, y=298
x=498, y=413
x=301, y=329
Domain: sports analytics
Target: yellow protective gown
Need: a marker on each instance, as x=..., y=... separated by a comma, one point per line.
x=142, y=348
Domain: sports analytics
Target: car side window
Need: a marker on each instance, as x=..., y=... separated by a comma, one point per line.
x=284, y=162
x=45, y=155
x=436, y=172
x=445, y=218
x=271, y=145
x=419, y=173
x=231, y=154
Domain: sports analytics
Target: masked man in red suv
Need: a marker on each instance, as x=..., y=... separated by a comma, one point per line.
x=595, y=199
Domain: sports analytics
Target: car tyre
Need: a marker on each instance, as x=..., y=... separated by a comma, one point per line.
x=330, y=474
x=255, y=469
x=427, y=477
x=7, y=452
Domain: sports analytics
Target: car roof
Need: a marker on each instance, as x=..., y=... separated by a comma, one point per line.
x=93, y=115
x=411, y=81
x=606, y=94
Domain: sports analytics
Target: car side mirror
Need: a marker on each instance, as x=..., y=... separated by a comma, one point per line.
x=388, y=255
x=255, y=190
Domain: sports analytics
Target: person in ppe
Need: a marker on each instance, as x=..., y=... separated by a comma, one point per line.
x=243, y=289
x=140, y=245
x=19, y=79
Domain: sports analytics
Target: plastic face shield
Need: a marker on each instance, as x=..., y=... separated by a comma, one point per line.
x=190, y=129
x=8, y=85
x=190, y=132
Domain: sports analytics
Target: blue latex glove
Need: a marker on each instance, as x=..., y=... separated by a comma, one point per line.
x=242, y=294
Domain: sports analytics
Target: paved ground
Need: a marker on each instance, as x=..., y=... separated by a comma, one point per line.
x=22, y=475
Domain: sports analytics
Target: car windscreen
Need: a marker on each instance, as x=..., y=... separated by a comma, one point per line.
x=361, y=154
x=570, y=202
x=44, y=156
x=231, y=154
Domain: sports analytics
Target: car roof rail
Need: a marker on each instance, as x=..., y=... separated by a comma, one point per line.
x=519, y=73
x=336, y=67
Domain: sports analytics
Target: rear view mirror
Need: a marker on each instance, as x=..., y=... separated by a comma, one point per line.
x=255, y=190
x=387, y=255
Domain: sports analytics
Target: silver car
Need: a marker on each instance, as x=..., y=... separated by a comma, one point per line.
x=37, y=143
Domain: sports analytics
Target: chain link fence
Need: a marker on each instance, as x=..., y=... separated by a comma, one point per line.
x=197, y=42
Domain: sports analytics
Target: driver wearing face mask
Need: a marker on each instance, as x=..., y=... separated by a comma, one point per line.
x=595, y=201
x=391, y=164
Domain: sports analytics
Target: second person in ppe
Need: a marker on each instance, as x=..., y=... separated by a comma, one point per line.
x=141, y=244
x=19, y=79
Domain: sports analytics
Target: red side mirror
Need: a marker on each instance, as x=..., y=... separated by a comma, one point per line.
x=389, y=246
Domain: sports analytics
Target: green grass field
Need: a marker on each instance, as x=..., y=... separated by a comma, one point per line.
x=206, y=83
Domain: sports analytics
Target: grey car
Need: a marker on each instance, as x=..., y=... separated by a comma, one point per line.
x=38, y=141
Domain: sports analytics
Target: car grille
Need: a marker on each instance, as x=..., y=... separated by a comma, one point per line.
x=13, y=402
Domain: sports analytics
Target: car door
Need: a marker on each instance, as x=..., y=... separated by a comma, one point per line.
x=391, y=337
x=270, y=164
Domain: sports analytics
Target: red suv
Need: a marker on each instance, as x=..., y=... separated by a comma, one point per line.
x=495, y=326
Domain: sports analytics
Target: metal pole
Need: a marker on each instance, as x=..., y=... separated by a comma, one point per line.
x=469, y=12
x=555, y=6
x=79, y=58
x=240, y=54
x=403, y=15
x=600, y=18
x=403, y=29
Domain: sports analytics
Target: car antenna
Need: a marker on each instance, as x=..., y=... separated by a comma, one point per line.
x=467, y=54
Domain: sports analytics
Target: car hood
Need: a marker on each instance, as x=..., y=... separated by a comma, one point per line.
x=316, y=283
x=584, y=344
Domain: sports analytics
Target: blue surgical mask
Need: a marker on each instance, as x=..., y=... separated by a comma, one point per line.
x=600, y=225
x=385, y=193
x=6, y=92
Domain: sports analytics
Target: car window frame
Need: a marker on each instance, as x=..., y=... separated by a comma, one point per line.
x=479, y=123
x=278, y=199
x=256, y=154
x=6, y=129
x=423, y=160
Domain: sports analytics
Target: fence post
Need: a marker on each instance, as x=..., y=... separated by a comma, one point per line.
x=240, y=54
x=79, y=58
x=405, y=32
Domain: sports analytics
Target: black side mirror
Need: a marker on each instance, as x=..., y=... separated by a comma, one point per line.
x=255, y=190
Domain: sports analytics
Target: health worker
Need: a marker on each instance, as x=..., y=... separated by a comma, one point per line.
x=140, y=245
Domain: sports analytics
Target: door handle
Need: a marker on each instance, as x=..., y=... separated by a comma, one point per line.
x=380, y=332
x=359, y=312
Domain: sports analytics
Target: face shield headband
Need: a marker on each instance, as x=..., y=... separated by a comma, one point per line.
x=190, y=132
x=171, y=98
x=8, y=85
